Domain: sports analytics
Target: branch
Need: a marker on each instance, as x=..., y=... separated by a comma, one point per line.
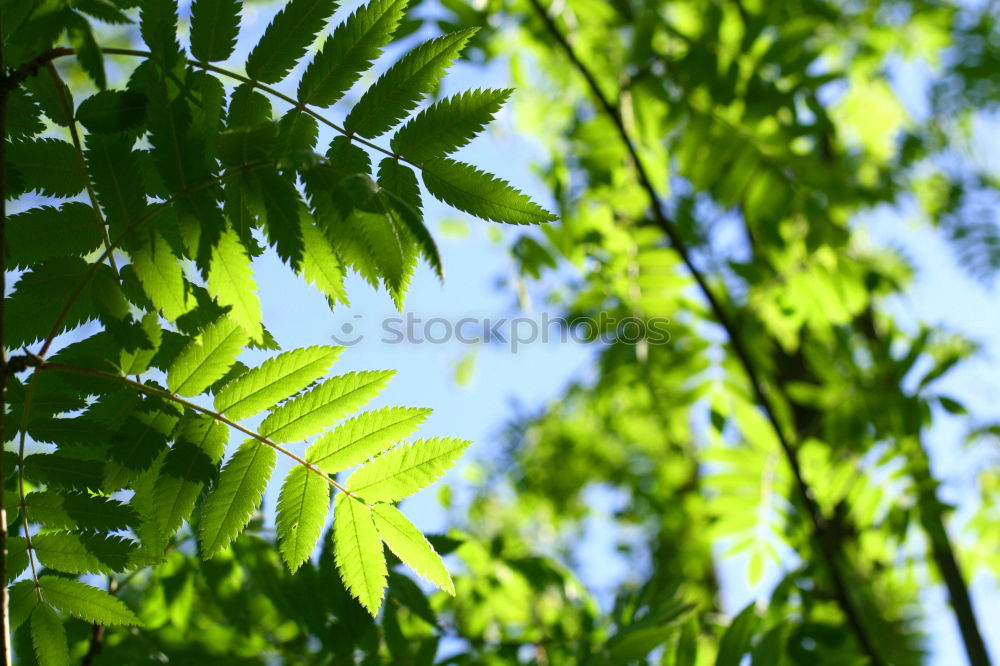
x=826, y=540
x=4, y=594
x=167, y=395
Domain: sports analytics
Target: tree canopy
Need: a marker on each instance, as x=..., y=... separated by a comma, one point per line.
x=711, y=163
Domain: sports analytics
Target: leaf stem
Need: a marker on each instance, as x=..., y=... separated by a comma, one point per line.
x=29, y=396
x=826, y=540
x=160, y=393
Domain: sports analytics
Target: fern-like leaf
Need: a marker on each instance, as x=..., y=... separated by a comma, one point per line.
x=302, y=507
x=448, y=125
x=401, y=472
x=358, y=551
x=79, y=510
x=85, y=602
x=46, y=232
x=476, y=192
x=286, y=39
x=398, y=91
x=411, y=547
x=364, y=436
x=23, y=600
x=49, y=165
x=231, y=503
x=48, y=636
x=82, y=553
x=320, y=265
x=214, y=27
x=230, y=282
x=207, y=358
x=161, y=276
x=314, y=411
x=276, y=379
x=354, y=45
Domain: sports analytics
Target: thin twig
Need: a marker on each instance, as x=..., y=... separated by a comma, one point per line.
x=826, y=541
x=4, y=376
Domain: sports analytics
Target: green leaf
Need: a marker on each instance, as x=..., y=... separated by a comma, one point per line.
x=17, y=553
x=476, y=192
x=45, y=232
x=24, y=117
x=302, y=508
x=402, y=471
x=23, y=600
x=61, y=471
x=48, y=166
x=276, y=379
x=354, y=45
x=401, y=194
x=448, y=125
x=191, y=463
x=364, y=436
x=284, y=209
x=88, y=53
x=320, y=265
x=314, y=411
x=358, y=551
x=736, y=641
x=137, y=362
x=215, y=25
x=232, y=501
x=82, y=553
x=74, y=510
x=161, y=276
x=112, y=111
x=48, y=636
x=117, y=179
x=230, y=282
x=286, y=39
x=40, y=296
x=410, y=546
x=85, y=602
x=158, y=26
x=207, y=358
x=48, y=92
x=398, y=91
